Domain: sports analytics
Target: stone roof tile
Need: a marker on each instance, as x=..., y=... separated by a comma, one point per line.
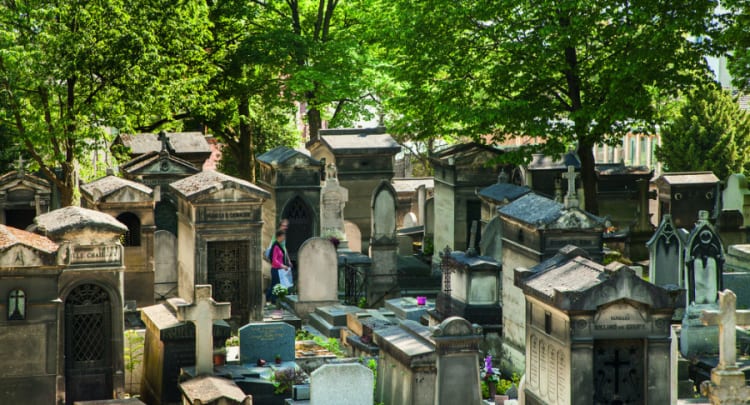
x=105, y=186
x=181, y=142
x=204, y=181
x=64, y=219
x=10, y=236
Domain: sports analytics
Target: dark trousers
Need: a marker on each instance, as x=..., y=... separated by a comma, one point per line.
x=274, y=280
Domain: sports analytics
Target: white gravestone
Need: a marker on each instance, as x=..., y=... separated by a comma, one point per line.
x=318, y=271
x=165, y=264
x=384, y=215
x=202, y=312
x=342, y=384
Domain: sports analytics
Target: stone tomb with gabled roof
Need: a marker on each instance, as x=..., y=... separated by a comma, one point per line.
x=219, y=240
x=190, y=146
x=293, y=180
x=23, y=196
x=61, y=318
x=596, y=334
x=132, y=204
x=534, y=228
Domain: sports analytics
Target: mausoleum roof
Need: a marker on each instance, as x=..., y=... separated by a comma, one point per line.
x=282, y=154
x=181, y=142
x=207, y=181
x=70, y=218
x=533, y=208
x=474, y=262
x=358, y=140
x=543, y=162
x=105, y=186
x=503, y=192
x=688, y=178
x=10, y=237
x=571, y=281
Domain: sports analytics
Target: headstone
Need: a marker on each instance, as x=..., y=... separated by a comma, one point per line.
x=265, y=341
x=342, y=384
x=727, y=385
x=704, y=259
x=333, y=199
x=165, y=264
x=457, y=346
x=382, y=282
x=736, y=196
x=492, y=240
x=202, y=312
x=317, y=280
x=410, y=220
x=353, y=236
x=667, y=262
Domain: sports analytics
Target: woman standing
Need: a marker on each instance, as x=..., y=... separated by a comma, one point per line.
x=278, y=262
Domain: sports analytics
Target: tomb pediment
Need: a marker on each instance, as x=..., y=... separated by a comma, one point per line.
x=215, y=186
x=15, y=180
x=155, y=163
x=112, y=189
x=283, y=156
x=19, y=248
x=573, y=218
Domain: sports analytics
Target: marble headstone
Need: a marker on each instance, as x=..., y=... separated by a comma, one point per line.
x=318, y=271
x=342, y=384
x=384, y=214
x=260, y=340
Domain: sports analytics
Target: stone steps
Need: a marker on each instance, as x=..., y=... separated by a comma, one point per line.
x=324, y=327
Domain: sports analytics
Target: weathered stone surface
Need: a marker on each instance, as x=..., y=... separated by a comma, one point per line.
x=213, y=390
x=342, y=384
x=318, y=271
x=265, y=341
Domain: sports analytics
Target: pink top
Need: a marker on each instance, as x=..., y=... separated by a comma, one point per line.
x=277, y=257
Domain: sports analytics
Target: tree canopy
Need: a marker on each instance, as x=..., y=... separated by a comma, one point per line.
x=710, y=132
x=570, y=72
x=70, y=69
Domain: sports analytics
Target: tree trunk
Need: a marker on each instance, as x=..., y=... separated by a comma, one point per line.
x=314, y=123
x=246, y=158
x=69, y=183
x=588, y=176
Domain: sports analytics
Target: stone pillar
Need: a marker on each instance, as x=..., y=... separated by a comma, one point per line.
x=659, y=370
x=421, y=198
x=582, y=358
x=457, y=346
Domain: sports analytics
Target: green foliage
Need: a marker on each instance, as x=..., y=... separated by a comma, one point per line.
x=710, y=132
x=330, y=344
x=362, y=302
x=133, y=353
x=233, y=340
x=569, y=72
x=302, y=334
x=69, y=69
x=284, y=380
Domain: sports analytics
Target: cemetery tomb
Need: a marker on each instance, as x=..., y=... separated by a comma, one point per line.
x=618, y=195
x=132, y=204
x=168, y=347
x=362, y=157
x=534, y=228
x=666, y=253
x=317, y=281
x=219, y=240
x=23, y=196
x=29, y=336
x=383, y=278
x=497, y=195
x=341, y=384
x=589, y=330
x=459, y=171
x=90, y=288
x=684, y=194
x=265, y=341
x=157, y=169
x=704, y=263
x=412, y=193
x=457, y=346
x=293, y=180
x=190, y=146
x=210, y=390
x=544, y=171
x=472, y=290
x=736, y=197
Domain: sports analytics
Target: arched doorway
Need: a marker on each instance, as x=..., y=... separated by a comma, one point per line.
x=133, y=236
x=88, y=344
x=301, y=222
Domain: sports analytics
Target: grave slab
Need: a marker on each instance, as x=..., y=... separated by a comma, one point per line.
x=260, y=340
x=342, y=384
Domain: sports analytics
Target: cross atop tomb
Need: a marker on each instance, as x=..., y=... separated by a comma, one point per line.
x=164, y=142
x=202, y=312
x=571, y=199
x=20, y=167
x=727, y=317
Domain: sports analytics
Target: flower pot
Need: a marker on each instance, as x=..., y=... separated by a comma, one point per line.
x=278, y=360
x=421, y=300
x=220, y=359
x=493, y=388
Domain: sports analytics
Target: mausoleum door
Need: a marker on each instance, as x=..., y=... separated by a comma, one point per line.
x=619, y=372
x=228, y=264
x=300, y=229
x=88, y=340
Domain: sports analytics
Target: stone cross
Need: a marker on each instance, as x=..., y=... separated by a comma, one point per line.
x=571, y=199
x=727, y=317
x=164, y=141
x=21, y=168
x=202, y=312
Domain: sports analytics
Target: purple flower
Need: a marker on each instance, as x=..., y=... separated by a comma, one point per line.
x=488, y=364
